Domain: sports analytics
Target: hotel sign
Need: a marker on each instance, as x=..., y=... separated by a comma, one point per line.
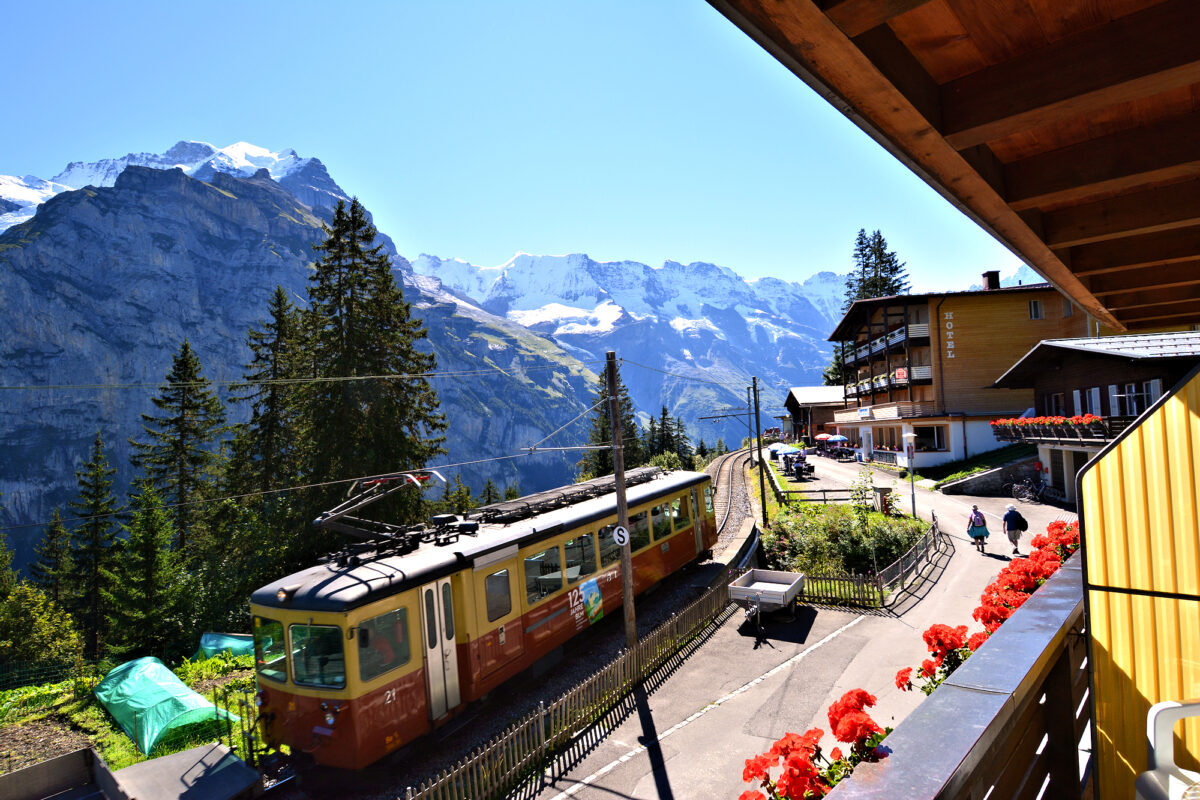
x=948, y=319
x=864, y=413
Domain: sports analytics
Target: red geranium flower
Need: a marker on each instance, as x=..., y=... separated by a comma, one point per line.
x=928, y=668
x=976, y=641
x=855, y=728
x=904, y=679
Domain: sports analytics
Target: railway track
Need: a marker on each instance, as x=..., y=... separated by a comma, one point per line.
x=731, y=501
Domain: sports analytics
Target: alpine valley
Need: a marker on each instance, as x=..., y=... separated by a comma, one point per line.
x=107, y=267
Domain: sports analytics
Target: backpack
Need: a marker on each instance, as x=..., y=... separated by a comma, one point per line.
x=977, y=519
x=1020, y=523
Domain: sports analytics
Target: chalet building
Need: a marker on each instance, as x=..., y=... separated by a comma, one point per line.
x=811, y=409
x=925, y=364
x=1115, y=378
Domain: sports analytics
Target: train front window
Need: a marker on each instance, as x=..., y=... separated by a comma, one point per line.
x=317, y=656
x=497, y=595
x=385, y=646
x=661, y=517
x=543, y=575
x=581, y=557
x=270, y=654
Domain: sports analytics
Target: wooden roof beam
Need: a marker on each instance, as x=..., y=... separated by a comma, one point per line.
x=1184, y=273
x=1124, y=161
x=859, y=16
x=1150, y=299
x=1178, y=314
x=807, y=42
x=1148, y=211
x=1116, y=255
x=1131, y=57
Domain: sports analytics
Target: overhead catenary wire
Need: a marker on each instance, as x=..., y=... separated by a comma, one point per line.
x=244, y=384
x=300, y=488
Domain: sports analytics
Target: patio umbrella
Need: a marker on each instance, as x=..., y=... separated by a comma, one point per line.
x=838, y=438
x=787, y=449
x=820, y=437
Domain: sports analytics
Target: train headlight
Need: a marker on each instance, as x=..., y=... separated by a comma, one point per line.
x=329, y=718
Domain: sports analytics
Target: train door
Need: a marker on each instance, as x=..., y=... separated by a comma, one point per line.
x=698, y=520
x=441, y=656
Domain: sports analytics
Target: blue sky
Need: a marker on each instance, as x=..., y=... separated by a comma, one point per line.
x=626, y=129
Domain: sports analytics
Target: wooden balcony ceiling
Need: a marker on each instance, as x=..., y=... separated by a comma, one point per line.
x=1069, y=129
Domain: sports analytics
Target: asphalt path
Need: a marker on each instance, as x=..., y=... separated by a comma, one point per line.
x=731, y=695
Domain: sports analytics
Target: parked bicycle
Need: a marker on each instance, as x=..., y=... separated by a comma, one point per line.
x=1031, y=489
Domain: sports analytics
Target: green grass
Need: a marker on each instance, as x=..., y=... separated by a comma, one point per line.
x=953, y=470
x=72, y=703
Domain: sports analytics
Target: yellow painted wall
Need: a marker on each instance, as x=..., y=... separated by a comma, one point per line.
x=1140, y=509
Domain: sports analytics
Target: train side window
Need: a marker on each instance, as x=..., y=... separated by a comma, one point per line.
x=639, y=531
x=661, y=518
x=270, y=653
x=386, y=644
x=543, y=574
x=581, y=557
x=317, y=656
x=680, y=515
x=610, y=551
x=448, y=610
x=708, y=500
x=498, y=595
x=431, y=628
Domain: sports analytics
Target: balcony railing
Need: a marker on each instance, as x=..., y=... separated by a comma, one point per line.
x=900, y=410
x=889, y=339
x=1096, y=433
x=1007, y=723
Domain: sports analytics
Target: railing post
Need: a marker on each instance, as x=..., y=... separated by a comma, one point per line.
x=541, y=730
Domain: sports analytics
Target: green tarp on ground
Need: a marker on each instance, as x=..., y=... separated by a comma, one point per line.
x=238, y=644
x=148, y=701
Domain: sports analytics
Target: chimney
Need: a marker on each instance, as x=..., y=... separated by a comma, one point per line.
x=991, y=280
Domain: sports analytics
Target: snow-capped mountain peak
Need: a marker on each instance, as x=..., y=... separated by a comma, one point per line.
x=20, y=197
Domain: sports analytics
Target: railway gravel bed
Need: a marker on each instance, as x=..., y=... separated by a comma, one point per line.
x=545, y=682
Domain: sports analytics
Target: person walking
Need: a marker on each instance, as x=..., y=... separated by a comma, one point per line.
x=1014, y=525
x=977, y=528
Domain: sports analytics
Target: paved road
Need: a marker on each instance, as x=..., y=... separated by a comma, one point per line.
x=732, y=697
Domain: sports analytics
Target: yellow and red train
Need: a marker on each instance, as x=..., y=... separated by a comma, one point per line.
x=375, y=648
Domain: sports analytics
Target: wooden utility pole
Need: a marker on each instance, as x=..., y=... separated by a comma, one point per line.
x=762, y=467
x=614, y=414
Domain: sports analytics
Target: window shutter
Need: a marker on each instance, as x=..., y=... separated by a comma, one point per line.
x=1114, y=401
x=1094, y=400
x=1078, y=405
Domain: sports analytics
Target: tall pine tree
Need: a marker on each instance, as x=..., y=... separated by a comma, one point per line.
x=52, y=569
x=146, y=602
x=265, y=449
x=877, y=272
x=599, y=462
x=372, y=410
x=95, y=548
x=182, y=456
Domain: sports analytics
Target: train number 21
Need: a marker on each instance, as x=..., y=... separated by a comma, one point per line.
x=390, y=695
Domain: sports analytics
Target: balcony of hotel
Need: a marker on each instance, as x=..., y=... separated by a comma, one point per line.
x=1085, y=430
x=899, y=410
x=890, y=342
